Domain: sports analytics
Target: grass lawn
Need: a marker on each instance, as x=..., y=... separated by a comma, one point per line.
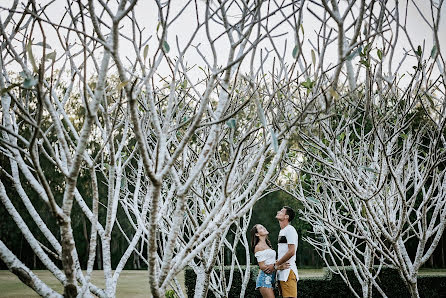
x=131, y=283
x=427, y=272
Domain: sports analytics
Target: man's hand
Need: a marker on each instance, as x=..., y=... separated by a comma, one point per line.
x=283, y=266
x=269, y=268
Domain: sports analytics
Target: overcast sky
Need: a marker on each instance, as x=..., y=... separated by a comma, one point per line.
x=147, y=14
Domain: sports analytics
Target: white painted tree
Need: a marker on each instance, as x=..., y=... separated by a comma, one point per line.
x=372, y=176
x=235, y=176
x=208, y=149
x=198, y=178
x=185, y=152
x=40, y=123
x=377, y=183
x=186, y=149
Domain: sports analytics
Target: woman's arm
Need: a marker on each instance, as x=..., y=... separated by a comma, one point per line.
x=283, y=266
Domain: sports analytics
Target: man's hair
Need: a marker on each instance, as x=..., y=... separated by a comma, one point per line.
x=290, y=212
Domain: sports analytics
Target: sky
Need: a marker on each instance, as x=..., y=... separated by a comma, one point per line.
x=147, y=15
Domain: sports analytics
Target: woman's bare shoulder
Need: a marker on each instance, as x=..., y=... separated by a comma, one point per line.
x=259, y=247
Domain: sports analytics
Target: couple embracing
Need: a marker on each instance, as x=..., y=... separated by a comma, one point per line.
x=283, y=268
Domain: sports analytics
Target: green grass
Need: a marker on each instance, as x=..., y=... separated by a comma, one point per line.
x=320, y=272
x=427, y=272
x=310, y=272
x=131, y=283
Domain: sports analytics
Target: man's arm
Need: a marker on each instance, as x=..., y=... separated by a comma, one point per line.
x=270, y=268
x=291, y=252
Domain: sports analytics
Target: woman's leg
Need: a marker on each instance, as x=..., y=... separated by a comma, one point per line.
x=266, y=292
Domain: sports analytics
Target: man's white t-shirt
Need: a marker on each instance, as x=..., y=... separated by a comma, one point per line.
x=287, y=235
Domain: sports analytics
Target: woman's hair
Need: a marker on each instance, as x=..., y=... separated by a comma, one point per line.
x=255, y=239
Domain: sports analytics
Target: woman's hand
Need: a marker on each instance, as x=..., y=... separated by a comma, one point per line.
x=268, y=268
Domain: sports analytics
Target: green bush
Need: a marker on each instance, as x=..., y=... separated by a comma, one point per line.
x=332, y=285
x=170, y=294
x=190, y=278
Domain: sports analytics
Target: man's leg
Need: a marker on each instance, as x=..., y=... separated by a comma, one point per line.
x=289, y=287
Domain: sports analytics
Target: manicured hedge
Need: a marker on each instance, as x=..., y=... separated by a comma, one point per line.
x=332, y=285
x=190, y=277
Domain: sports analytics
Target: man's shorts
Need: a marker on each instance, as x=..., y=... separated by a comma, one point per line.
x=289, y=288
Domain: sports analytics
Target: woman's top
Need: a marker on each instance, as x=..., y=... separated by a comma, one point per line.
x=267, y=255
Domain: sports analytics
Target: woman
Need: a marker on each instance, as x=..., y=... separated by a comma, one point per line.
x=265, y=256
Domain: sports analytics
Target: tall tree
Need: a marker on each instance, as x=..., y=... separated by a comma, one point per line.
x=166, y=137
x=372, y=176
x=185, y=148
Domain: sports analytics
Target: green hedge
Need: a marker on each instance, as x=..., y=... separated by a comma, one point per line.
x=190, y=277
x=332, y=285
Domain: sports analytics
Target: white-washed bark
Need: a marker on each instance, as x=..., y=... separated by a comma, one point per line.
x=367, y=175
x=195, y=194
x=29, y=236
x=382, y=186
x=208, y=142
x=65, y=143
x=25, y=274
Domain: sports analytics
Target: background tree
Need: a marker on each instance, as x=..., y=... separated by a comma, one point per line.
x=388, y=191
x=371, y=177
x=147, y=136
x=175, y=153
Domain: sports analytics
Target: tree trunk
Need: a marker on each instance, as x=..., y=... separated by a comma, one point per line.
x=245, y=281
x=413, y=290
x=70, y=288
x=99, y=256
x=247, y=276
x=136, y=261
x=367, y=289
x=202, y=284
x=431, y=258
x=108, y=274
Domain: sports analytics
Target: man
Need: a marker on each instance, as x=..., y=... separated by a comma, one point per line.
x=287, y=246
